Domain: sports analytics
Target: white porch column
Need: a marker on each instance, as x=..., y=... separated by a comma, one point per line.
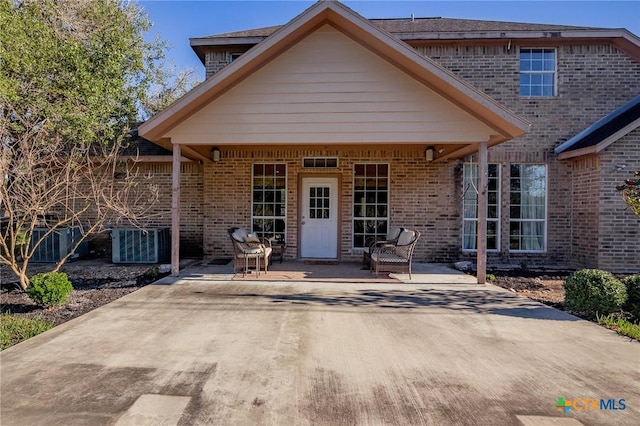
x=175, y=211
x=483, y=170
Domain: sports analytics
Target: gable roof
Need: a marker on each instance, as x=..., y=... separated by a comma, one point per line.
x=506, y=124
x=603, y=132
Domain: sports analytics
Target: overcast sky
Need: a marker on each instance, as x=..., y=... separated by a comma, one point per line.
x=177, y=21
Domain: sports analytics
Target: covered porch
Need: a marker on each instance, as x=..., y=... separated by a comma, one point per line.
x=329, y=86
x=363, y=198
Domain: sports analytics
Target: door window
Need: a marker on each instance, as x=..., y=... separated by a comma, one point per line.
x=319, y=203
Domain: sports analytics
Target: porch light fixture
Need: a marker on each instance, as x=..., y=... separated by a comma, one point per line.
x=430, y=153
x=215, y=154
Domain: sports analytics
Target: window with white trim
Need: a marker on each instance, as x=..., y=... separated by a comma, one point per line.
x=538, y=72
x=528, y=207
x=470, y=207
x=268, y=205
x=370, y=203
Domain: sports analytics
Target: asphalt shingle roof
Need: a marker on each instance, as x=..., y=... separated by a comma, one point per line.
x=605, y=127
x=426, y=25
x=138, y=145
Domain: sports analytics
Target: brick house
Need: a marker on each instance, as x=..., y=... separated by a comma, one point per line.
x=331, y=128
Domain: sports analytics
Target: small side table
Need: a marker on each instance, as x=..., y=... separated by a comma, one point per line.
x=278, y=249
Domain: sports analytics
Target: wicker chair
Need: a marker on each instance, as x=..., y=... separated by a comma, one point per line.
x=249, y=251
x=396, y=257
x=391, y=238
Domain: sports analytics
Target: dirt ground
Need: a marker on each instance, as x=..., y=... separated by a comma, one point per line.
x=98, y=282
x=541, y=286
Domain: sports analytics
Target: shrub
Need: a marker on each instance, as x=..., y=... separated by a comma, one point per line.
x=15, y=329
x=632, y=306
x=49, y=289
x=591, y=291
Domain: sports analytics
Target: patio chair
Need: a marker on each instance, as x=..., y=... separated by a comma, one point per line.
x=391, y=238
x=396, y=257
x=249, y=251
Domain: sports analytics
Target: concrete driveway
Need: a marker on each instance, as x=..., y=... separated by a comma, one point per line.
x=208, y=350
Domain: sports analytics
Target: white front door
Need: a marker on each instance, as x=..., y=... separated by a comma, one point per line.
x=319, y=218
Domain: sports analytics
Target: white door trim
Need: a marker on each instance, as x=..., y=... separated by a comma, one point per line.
x=328, y=247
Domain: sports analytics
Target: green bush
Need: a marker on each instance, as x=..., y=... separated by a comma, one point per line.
x=49, y=289
x=632, y=306
x=592, y=292
x=14, y=329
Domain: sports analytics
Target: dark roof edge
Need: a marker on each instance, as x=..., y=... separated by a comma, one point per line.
x=518, y=34
x=222, y=41
x=574, y=141
x=621, y=37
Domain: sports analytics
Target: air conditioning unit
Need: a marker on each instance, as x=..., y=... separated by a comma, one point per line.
x=57, y=245
x=132, y=245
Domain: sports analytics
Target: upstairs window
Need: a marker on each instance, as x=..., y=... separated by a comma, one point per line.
x=538, y=72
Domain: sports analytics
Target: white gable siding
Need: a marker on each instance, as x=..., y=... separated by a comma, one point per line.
x=329, y=89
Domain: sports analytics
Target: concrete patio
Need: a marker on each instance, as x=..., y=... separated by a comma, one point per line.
x=206, y=349
x=351, y=272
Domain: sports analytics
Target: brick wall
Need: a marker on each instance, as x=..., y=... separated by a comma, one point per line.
x=584, y=215
x=217, y=58
x=190, y=203
x=215, y=61
x=593, y=80
x=422, y=196
x=158, y=176
x=619, y=228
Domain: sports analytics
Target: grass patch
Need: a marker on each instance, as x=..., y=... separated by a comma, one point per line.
x=15, y=329
x=620, y=325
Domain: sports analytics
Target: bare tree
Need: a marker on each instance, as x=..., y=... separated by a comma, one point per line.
x=48, y=184
x=74, y=75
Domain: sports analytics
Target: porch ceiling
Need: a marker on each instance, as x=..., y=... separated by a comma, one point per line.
x=442, y=152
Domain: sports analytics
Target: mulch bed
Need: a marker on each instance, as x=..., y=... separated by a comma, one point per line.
x=95, y=283
x=545, y=287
